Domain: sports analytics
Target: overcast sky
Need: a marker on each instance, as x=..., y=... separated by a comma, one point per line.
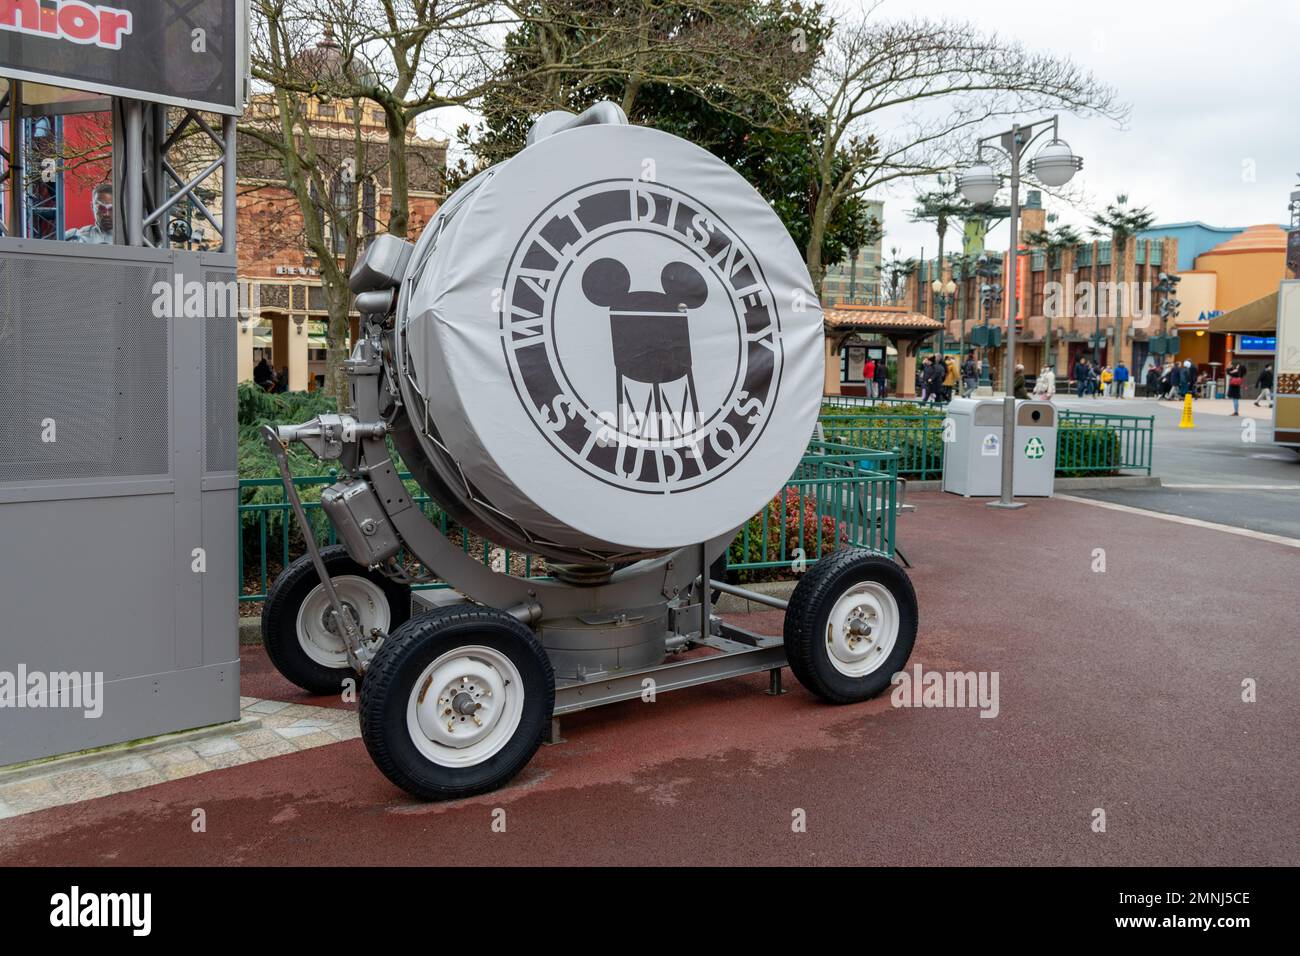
x=1214, y=132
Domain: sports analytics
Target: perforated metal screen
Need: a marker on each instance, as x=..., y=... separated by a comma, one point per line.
x=84, y=362
x=219, y=346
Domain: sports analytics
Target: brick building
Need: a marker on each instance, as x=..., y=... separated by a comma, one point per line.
x=1118, y=293
x=274, y=261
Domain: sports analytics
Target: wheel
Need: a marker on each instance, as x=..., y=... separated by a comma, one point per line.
x=850, y=625
x=456, y=702
x=299, y=632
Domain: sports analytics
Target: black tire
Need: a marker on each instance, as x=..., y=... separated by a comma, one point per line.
x=807, y=618
x=402, y=661
x=280, y=618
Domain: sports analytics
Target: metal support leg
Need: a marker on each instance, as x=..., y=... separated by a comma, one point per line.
x=17, y=152
x=133, y=168
x=553, y=734
x=358, y=647
x=229, y=199
x=774, y=688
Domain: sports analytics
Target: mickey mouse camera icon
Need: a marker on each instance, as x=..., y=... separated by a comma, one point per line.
x=654, y=379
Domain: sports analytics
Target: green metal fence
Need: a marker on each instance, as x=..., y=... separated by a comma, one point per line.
x=1097, y=442
x=1088, y=443
x=917, y=438
x=839, y=496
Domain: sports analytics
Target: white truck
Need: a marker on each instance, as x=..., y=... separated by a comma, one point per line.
x=1286, y=378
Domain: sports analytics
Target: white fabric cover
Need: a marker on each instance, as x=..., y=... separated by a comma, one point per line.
x=619, y=343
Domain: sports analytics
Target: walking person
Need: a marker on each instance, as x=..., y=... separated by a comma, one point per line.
x=882, y=379
x=1045, y=386
x=1265, y=385
x=1236, y=379
x=923, y=377
x=934, y=381
x=950, y=377
x=1153, y=382
x=969, y=375
x=1121, y=379
x=1018, y=388
x=1186, y=379
x=869, y=376
x=1081, y=376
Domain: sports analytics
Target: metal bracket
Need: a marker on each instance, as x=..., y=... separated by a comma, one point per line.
x=360, y=651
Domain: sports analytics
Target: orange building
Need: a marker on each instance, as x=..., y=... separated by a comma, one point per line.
x=1233, y=273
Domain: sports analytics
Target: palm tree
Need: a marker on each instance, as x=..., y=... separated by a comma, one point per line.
x=1053, y=242
x=1121, y=224
x=896, y=271
x=863, y=231
x=962, y=266
x=941, y=206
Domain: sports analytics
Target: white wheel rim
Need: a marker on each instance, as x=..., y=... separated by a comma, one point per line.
x=862, y=629
x=465, y=706
x=317, y=634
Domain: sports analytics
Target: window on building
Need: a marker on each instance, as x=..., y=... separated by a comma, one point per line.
x=1036, y=287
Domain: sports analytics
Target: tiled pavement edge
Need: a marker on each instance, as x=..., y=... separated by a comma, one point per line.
x=267, y=728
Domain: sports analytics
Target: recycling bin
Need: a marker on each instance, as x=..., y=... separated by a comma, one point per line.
x=972, y=453
x=974, y=445
x=1035, y=449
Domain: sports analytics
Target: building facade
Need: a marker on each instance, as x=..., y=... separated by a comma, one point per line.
x=1073, y=302
x=1245, y=267
x=857, y=280
x=276, y=265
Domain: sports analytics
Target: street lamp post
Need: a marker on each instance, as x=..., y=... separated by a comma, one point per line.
x=944, y=294
x=990, y=298
x=1055, y=165
x=1167, y=286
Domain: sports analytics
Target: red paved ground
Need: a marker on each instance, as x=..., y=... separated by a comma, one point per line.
x=1118, y=690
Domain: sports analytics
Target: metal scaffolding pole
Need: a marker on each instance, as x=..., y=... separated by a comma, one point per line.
x=16, y=150
x=229, y=207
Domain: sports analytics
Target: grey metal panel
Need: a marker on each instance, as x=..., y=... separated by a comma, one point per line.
x=220, y=372
x=104, y=580
x=133, y=708
x=81, y=347
x=187, y=465
x=221, y=580
x=90, y=586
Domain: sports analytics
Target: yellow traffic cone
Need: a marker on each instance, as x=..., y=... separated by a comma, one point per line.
x=1187, y=413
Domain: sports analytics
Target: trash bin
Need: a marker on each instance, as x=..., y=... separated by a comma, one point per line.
x=973, y=448
x=972, y=452
x=1035, y=449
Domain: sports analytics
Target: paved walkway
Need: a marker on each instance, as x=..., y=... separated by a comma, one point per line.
x=266, y=729
x=1120, y=691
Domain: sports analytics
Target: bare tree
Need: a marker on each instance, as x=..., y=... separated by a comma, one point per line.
x=892, y=100
x=322, y=164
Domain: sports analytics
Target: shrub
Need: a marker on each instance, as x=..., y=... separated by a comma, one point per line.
x=761, y=538
x=1094, y=447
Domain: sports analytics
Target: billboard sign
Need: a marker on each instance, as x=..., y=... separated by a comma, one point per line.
x=182, y=52
x=1256, y=343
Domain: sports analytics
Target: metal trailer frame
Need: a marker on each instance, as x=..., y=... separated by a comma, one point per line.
x=616, y=635
x=608, y=633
